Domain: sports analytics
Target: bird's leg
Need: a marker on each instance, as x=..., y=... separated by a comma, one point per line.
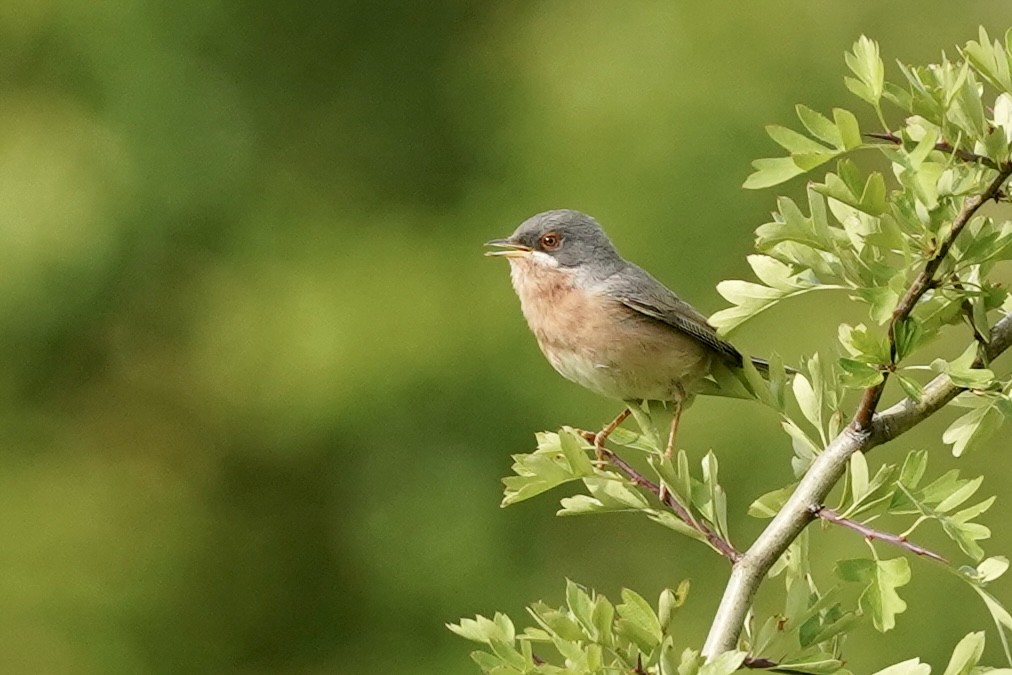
x=676, y=416
x=601, y=436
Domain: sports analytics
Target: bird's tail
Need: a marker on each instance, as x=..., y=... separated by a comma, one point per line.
x=763, y=366
x=728, y=379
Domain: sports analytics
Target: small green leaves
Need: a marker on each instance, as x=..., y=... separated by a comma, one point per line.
x=966, y=655
x=831, y=139
x=879, y=599
x=480, y=629
x=591, y=636
x=858, y=375
x=638, y=622
x=991, y=60
x=864, y=61
x=991, y=569
x=770, y=503
x=961, y=371
x=557, y=460
x=986, y=415
x=779, y=282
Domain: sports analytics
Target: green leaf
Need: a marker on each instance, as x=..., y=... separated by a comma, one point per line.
x=668, y=602
x=510, y=656
x=973, y=428
x=909, y=334
x=879, y=599
x=580, y=604
x=960, y=495
x=751, y=298
x=724, y=664
x=638, y=621
x=1000, y=615
x=858, y=473
x=913, y=469
x=992, y=568
x=672, y=522
x=858, y=375
x=481, y=629
x=882, y=301
x=609, y=494
x=820, y=126
x=850, y=132
x=817, y=663
x=865, y=63
x=573, y=448
x=990, y=60
x=808, y=400
x=793, y=142
x=632, y=440
x=557, y=622
x=966, y=655
x=909, y=667
x=911, y=387
x=863, y=343
x=770, y=503
x=542, y=470
x=805, y=449
x=772, y=171
x=968, y=110
x=961, y=371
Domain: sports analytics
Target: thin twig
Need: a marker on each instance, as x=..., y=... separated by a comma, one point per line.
x=723, y=546
x=943, y=146
x=767, y=664
x=830, y=516
x=924, y=281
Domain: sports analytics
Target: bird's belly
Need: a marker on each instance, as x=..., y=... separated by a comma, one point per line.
x=653, y=367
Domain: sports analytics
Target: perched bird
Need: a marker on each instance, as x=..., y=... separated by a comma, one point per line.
x=605, y=323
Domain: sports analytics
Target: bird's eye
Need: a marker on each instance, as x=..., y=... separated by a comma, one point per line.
x=550, y=241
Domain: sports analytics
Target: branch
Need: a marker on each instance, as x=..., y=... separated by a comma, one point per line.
x=722, y=546
x=831, y=516
x=944, y=146
x=924, y=281
x=826, y=470
x=767, y=664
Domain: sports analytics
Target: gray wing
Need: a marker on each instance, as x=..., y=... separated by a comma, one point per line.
x=639, y=291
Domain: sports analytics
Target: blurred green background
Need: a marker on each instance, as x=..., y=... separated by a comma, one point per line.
x=259, y=386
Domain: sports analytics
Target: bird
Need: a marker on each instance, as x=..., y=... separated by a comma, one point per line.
x=606, y=324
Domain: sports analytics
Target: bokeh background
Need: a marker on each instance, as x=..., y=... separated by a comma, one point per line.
x=258, y=384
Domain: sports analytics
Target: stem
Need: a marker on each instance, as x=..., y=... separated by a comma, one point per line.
x=944, y=146
x=831, y=516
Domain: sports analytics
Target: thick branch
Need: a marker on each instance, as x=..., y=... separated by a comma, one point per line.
x=826, y=470
x=924, y=281
x=870, y=533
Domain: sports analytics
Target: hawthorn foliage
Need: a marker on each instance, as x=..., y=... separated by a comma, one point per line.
x=917, y=246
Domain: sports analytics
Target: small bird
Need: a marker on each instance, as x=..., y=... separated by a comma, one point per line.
x=605, y=323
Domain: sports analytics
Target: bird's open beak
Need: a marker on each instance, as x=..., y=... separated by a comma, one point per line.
x=510, y=249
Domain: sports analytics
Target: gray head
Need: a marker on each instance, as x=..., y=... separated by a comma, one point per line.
x=570, y=238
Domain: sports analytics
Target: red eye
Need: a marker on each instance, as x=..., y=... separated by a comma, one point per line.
x=550, y=241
